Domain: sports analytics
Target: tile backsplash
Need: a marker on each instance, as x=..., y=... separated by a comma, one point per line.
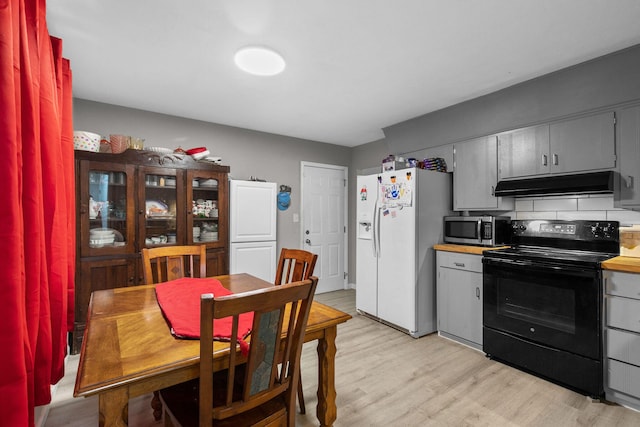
x=583, y=206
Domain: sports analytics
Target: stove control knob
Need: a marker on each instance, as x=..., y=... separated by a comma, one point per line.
x=523, y=228
x=597, y=230
x=609, y=230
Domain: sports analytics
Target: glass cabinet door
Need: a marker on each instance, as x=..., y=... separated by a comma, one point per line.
x=106, y=208
x=161, y=207
x=205, y=190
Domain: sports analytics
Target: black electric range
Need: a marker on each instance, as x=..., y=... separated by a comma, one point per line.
x=542, y=303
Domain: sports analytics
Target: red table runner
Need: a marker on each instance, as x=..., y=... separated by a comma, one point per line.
x=180, y=303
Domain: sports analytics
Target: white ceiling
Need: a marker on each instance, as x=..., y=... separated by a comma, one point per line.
x=354, y=67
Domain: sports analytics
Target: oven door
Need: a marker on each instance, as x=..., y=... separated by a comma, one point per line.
x=556, y=306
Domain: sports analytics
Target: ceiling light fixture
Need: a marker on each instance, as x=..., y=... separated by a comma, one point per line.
x=260, y=61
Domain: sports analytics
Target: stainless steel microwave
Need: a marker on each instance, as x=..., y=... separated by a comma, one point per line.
x=483, y=230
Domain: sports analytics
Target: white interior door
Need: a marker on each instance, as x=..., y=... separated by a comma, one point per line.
x=323, y=222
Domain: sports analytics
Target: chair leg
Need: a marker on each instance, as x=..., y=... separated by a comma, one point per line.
x=301, y=395
x=156, y=404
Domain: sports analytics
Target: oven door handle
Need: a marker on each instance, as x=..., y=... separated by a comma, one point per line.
x=522, y=262
x=535, y=265
x=517, y=262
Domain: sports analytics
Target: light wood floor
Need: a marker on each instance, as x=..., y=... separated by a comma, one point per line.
x=386, y=378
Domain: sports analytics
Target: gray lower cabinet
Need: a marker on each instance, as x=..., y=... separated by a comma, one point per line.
x=627, y=193
x=475, y=175
x=459, y=297
x=622, y=338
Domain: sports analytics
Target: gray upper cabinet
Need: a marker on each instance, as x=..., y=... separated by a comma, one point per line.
x=583, y=144
x=523, y=152
x=577, y=145
x=628, y=194
x=475, y=174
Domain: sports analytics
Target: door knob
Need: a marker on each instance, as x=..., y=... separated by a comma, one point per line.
x=308, y=242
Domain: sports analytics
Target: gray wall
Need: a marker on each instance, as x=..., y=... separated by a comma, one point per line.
x=248, y=153
x=603, y=82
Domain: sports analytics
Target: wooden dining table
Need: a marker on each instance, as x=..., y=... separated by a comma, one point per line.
x=128, y=349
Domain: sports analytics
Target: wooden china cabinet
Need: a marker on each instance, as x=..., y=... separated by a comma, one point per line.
x=140, y=199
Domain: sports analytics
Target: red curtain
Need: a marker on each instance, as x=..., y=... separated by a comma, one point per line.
x=37, y=210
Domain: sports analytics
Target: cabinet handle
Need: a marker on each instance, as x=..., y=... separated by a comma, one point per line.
x=459, y=264
x=555, y=159
x=544, y=160
x=493, y=190
x=629, y=181
x=477, y=292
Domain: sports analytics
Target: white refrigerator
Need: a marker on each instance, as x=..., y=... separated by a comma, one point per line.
x=252, y=224
x=399, y=219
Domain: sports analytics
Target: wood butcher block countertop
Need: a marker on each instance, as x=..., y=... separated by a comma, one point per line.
x=464, y=249
x=623, y=263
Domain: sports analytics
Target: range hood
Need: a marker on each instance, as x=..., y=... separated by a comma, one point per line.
x=596, y=182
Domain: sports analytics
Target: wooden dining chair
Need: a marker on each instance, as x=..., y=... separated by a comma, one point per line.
x=169, y=263
x=258, y=389
x=173, y=262
x=294, y=265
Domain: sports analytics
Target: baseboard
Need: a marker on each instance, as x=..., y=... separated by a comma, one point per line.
x=42, y=412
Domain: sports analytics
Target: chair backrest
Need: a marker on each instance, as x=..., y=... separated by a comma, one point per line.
x=173, y=262
x=295, y=265
x=272, y=368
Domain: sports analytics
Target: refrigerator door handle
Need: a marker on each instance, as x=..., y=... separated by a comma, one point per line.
x=376, y=229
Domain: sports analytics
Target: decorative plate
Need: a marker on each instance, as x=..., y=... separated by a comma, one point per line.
x=156, y=207
x=161, y=150
x=209, y=183
x=213, y=159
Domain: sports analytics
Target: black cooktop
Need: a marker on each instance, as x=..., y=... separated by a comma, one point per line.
x=578, y=242
x=549, y=255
